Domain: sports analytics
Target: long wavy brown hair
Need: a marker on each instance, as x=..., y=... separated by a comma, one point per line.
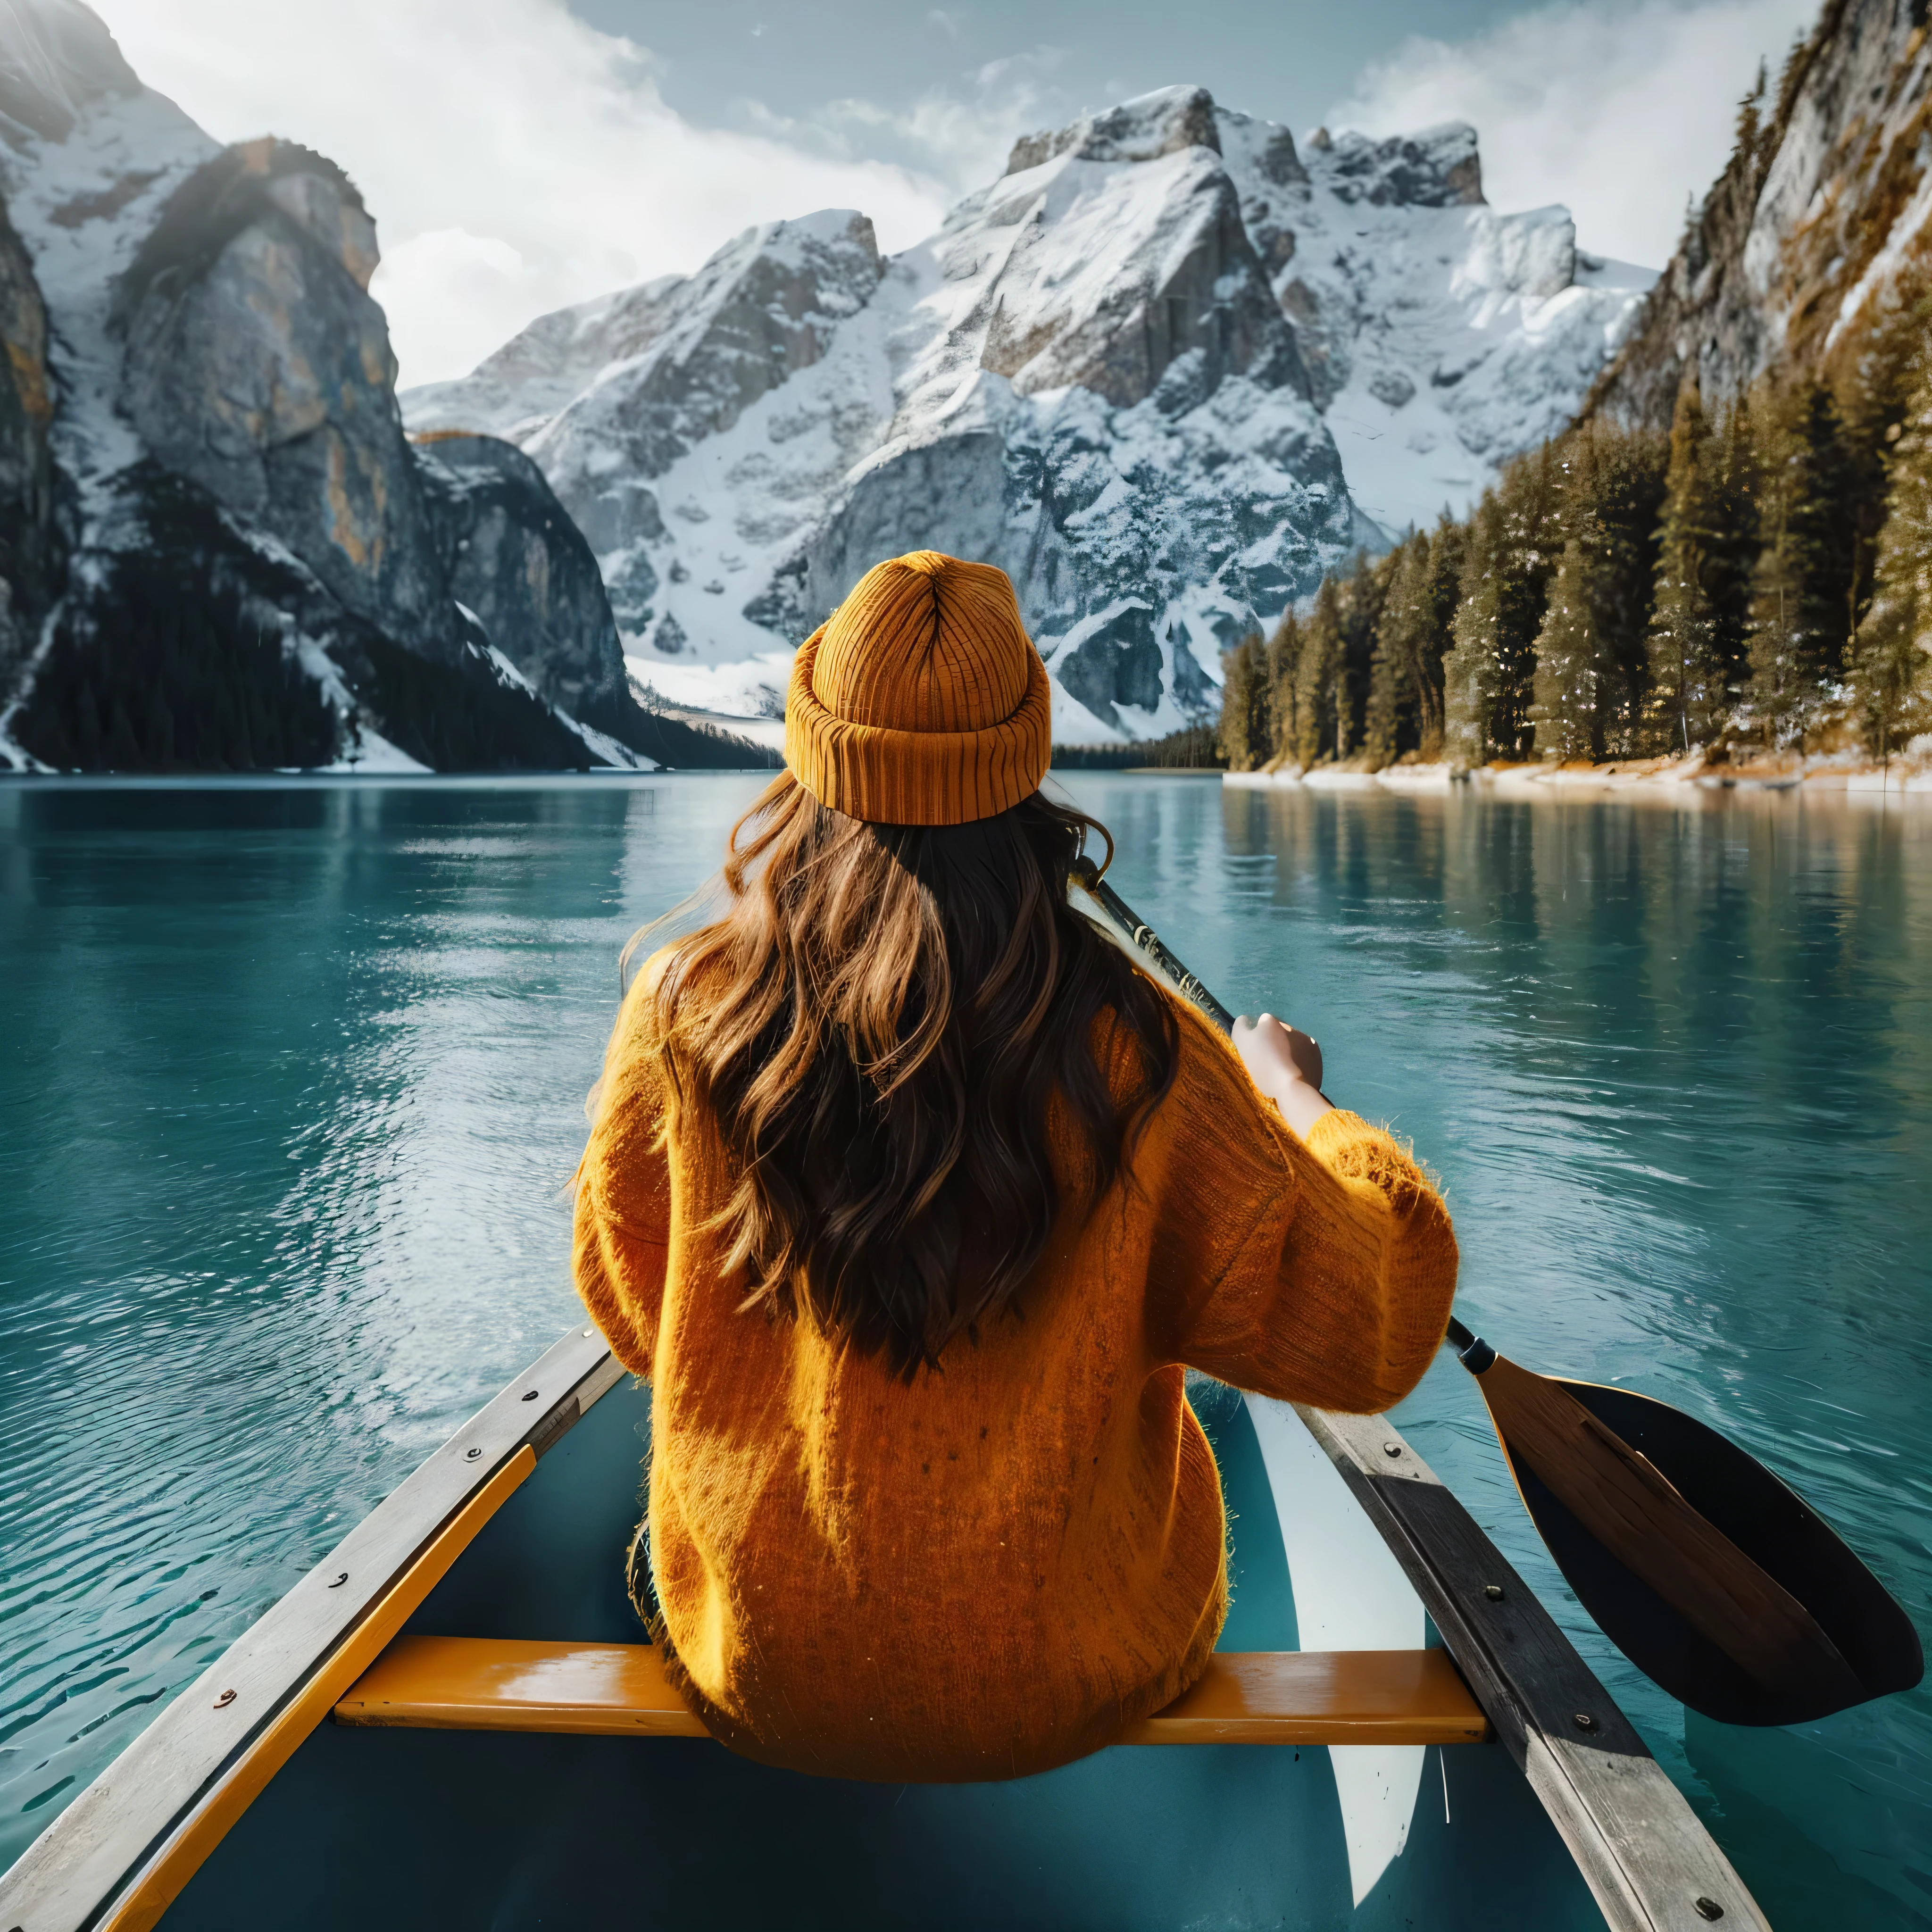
x=880, y=1022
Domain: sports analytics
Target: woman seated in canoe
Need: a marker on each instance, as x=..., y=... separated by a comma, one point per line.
x=914, y=1199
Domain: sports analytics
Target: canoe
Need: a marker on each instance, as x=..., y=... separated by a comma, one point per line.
x=454, y=1721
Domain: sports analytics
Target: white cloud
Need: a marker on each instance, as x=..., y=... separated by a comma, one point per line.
x=1619, y=111
x=960, y=135
x=514, y=158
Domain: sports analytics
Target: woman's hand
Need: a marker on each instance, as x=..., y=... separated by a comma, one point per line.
x=1286, y=1065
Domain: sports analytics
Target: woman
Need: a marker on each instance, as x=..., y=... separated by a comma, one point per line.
x=914, y=1198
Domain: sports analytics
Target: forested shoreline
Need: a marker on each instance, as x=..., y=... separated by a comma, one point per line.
x=1755, y=582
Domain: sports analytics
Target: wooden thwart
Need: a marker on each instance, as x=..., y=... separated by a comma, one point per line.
x=1262, y=1697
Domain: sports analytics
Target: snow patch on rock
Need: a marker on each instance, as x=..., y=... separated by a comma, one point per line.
x=1441, y=337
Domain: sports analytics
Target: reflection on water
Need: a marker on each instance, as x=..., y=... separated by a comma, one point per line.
x=291, y=1080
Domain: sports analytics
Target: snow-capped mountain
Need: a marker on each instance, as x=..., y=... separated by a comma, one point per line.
x=1165, y=372
x=218, y=545
x=1442, y=337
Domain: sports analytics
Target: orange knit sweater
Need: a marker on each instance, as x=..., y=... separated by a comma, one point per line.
x=996, y=1568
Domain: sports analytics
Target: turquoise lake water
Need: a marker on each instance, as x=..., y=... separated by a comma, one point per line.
x=291, y=1083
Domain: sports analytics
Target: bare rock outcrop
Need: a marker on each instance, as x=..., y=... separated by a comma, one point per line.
x=695, y=354
x=511, y=557
x=1441, y=167
x=1182, y=276
x=258, y=366
x=1825, y=198
x=55, y=62
x=1143, y=129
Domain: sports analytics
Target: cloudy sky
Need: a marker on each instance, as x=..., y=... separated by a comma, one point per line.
x=520, y=154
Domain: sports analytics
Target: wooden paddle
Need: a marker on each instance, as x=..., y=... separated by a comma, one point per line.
x=1713, y=1577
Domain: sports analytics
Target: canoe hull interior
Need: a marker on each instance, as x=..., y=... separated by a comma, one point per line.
x=380, y=1828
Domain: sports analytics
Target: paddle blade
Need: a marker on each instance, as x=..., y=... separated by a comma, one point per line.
x=1712, y=1576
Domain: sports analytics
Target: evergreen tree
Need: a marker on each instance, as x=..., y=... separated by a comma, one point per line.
x=1362, y=600
x=1570, y=662
x=1777, y=602
x=1413, y=635
x=1592, y=667
x=1246, y=735
x=1803, y=589
x=1320, y=708
x=1734, y=543
x=1873, y=380
x=1687, y=678
x=1283, y=671
x=1892, y=672
x=1473, y=670
x=1447, y=548
x=1509, y=557
x=1631, y=468
x=1394, y=699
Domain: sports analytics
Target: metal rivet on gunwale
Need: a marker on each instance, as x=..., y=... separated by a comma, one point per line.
x=1709, y=1908
x=530, y=1396
x=226, y=1698
x=1391, y=1448
x=339, y=1581
x=470, y=1456
x=1494, y=1591
x=1584, y=1722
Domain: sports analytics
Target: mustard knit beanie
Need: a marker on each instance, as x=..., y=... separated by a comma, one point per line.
x=921, y=701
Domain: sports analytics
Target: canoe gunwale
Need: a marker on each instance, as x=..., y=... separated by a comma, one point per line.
x=111, y=1863
x=1645, y=1854
x=118, y=1854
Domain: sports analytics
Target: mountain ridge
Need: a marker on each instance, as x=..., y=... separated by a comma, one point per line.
x=1139, y=370
x=1121, y=370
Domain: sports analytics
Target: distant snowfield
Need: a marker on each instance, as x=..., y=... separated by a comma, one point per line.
x=745, y=697
x=1503, y=367
x=1166, y=371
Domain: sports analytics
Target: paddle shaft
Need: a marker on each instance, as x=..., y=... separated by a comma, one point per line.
x=1087, y=874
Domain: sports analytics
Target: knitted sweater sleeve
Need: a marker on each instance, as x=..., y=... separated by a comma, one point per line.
x=1329, y=1274
x=623, y=1232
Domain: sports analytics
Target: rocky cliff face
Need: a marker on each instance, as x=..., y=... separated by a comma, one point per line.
x=1108, y=280
x=1097, y=391
x=264, y=570
x=30, y=547
x=1826, y=198
x=55, y=64
x=1122, y=372
x=510, y=557
x=256, y=366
